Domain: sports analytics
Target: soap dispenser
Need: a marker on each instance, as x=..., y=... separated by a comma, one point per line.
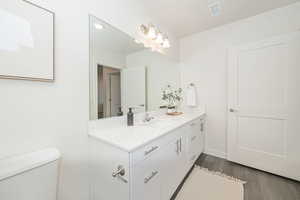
x=120, y=112
x=130, y=117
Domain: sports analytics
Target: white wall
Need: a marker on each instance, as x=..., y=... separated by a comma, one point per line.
x=204, y=61
x=161, y=71
x=36, y=115
x=100, y=55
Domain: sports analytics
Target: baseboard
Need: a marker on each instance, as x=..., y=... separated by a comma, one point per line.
x=216, y=153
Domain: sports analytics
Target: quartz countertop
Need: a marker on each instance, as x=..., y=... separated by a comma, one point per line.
x=114, y=131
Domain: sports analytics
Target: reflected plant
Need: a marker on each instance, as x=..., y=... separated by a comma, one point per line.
x=171, y=96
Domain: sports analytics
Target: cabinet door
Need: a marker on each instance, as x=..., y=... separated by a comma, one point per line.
x=195, y=140
x=147, y=179
x=202, y=136
x=173, y=167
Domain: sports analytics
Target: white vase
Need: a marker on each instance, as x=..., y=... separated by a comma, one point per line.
x=170, y=109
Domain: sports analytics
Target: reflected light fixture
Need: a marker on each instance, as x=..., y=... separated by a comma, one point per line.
x=159, y=38
x=152, y=38
x=98, y=26
x=151, y=32
x=166, y=43
x=215, y=7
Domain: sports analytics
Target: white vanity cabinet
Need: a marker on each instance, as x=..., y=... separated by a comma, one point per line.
x=150, y=172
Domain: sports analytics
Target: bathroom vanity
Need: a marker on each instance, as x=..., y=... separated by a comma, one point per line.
x=147, y=161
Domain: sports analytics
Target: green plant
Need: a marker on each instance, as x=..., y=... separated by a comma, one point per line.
x=171, y=96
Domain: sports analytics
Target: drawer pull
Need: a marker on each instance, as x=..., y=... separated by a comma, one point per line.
x=177, y=147
x=153, y=174
x=151, y=150
x=193, y=138
x=180, y=144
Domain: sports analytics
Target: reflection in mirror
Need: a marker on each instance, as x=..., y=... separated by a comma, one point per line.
x=124, y=74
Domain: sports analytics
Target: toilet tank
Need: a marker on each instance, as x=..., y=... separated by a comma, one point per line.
x=32, y=176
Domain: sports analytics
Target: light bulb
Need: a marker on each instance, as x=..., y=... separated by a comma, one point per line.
x=137, y=41
x=166, y=43
x=151, y=32
x=98, y=26
x=159, y=38
x=143, y=29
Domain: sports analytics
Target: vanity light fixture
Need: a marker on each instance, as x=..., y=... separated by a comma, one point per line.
x=152, y=38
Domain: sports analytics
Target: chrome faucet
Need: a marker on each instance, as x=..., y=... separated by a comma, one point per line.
x=147, y=117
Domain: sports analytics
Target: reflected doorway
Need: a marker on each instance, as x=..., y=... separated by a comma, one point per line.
x=109, y=91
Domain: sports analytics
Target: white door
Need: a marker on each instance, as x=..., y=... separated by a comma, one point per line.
x=115, y=93
x=134, y=89
x=264, y=105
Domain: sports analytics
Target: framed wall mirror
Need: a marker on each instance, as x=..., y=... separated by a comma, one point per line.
x=125, y=74
x=26, y=41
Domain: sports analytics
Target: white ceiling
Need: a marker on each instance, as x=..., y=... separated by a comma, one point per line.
x=186, y=17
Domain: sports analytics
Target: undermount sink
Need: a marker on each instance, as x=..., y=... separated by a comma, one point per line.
x=157, y=122
x=148, y=123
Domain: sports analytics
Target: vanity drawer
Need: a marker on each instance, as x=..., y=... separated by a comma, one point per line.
x=154, y=147
x=147, y=179
x=195, y=126
x=146, y=151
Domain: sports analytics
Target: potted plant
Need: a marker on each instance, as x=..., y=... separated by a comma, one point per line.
x=172, y=98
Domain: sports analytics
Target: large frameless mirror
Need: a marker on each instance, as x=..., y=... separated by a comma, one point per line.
x=124, y=74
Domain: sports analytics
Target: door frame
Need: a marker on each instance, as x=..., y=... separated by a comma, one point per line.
x=110, y=89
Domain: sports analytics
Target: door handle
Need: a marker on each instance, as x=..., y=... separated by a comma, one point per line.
x=120, y=173
x=232, y=110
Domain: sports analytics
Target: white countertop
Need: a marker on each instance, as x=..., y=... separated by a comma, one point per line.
x=114, y=131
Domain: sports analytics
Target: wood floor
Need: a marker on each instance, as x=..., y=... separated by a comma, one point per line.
x=260, y=185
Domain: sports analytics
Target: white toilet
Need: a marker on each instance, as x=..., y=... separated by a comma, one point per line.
x=32, y=176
